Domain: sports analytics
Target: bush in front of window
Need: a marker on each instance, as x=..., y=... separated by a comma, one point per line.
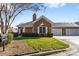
x=49, y=34
x=30, y=35
x=34, y=35
x=46, y=35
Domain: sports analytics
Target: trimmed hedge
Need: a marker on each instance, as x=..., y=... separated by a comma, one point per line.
x=46, y=35
x=30, y=35
x=33, y=35
x=49, y=34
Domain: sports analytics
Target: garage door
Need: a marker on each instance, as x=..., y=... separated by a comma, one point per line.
x=57, y=31
x=72, y=32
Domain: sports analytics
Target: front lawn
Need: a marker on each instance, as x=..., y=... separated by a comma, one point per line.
x=44, y=44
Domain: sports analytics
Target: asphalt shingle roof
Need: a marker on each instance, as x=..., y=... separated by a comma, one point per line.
x=28, y=24
x=65, y=25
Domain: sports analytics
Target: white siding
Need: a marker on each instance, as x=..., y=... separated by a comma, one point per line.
x=57, y=31
x=73, y=32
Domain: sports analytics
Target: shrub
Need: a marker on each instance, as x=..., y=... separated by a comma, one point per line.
x=33, y=35
x=46, y=35
x=49, y=34
x=42, y=35
x=15, y=34
x=30, y=35
x=10, y=37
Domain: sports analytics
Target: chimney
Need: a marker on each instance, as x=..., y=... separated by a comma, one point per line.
x=34, y=17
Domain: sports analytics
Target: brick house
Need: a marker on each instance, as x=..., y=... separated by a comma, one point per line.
x=44, y=25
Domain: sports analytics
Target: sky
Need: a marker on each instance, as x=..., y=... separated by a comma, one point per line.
x=56, y=12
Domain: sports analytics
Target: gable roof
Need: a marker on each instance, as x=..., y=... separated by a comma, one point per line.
x=30, y=24
x=44, y=18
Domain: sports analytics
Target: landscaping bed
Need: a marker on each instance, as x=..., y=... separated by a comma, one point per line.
x=44, y=44
x=16, y=47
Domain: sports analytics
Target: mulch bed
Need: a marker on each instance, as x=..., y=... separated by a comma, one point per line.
x=16, y=47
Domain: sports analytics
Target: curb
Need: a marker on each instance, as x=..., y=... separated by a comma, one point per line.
x=24, y=54
x=47, y=52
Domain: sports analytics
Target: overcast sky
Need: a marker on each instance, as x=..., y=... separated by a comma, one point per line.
x=55, y=11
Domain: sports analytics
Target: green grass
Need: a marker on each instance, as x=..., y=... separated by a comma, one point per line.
x=45, y=44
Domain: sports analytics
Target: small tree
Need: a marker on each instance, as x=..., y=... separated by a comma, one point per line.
x=9, y=11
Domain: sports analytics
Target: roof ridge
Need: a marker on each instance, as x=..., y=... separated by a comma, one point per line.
x=44, y=18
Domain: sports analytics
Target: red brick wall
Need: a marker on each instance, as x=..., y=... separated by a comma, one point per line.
x=46, y=23
x=28, y=29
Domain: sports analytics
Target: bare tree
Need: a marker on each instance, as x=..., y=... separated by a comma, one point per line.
x=9, y=11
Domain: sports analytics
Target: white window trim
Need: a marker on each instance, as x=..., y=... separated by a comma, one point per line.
x=45, y=31
x=23, y=29
x=19, y=31
x=38, y=29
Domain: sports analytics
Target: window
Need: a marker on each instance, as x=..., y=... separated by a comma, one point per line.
x=42, y=29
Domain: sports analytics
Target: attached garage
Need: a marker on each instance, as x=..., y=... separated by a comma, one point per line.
x=72, y=32
x=65, y=29
x=67, y=32
x=57, y=31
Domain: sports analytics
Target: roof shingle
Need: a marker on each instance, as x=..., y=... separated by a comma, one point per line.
x=65, y=25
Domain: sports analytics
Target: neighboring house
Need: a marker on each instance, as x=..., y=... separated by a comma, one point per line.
x=44, y=25
x=77, y=22
x=12, y=30
x=15, y=30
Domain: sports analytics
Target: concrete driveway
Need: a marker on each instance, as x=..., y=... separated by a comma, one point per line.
x=72, y=39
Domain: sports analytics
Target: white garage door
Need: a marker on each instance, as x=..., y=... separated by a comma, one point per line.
x=73, y=32
x=57, y=31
